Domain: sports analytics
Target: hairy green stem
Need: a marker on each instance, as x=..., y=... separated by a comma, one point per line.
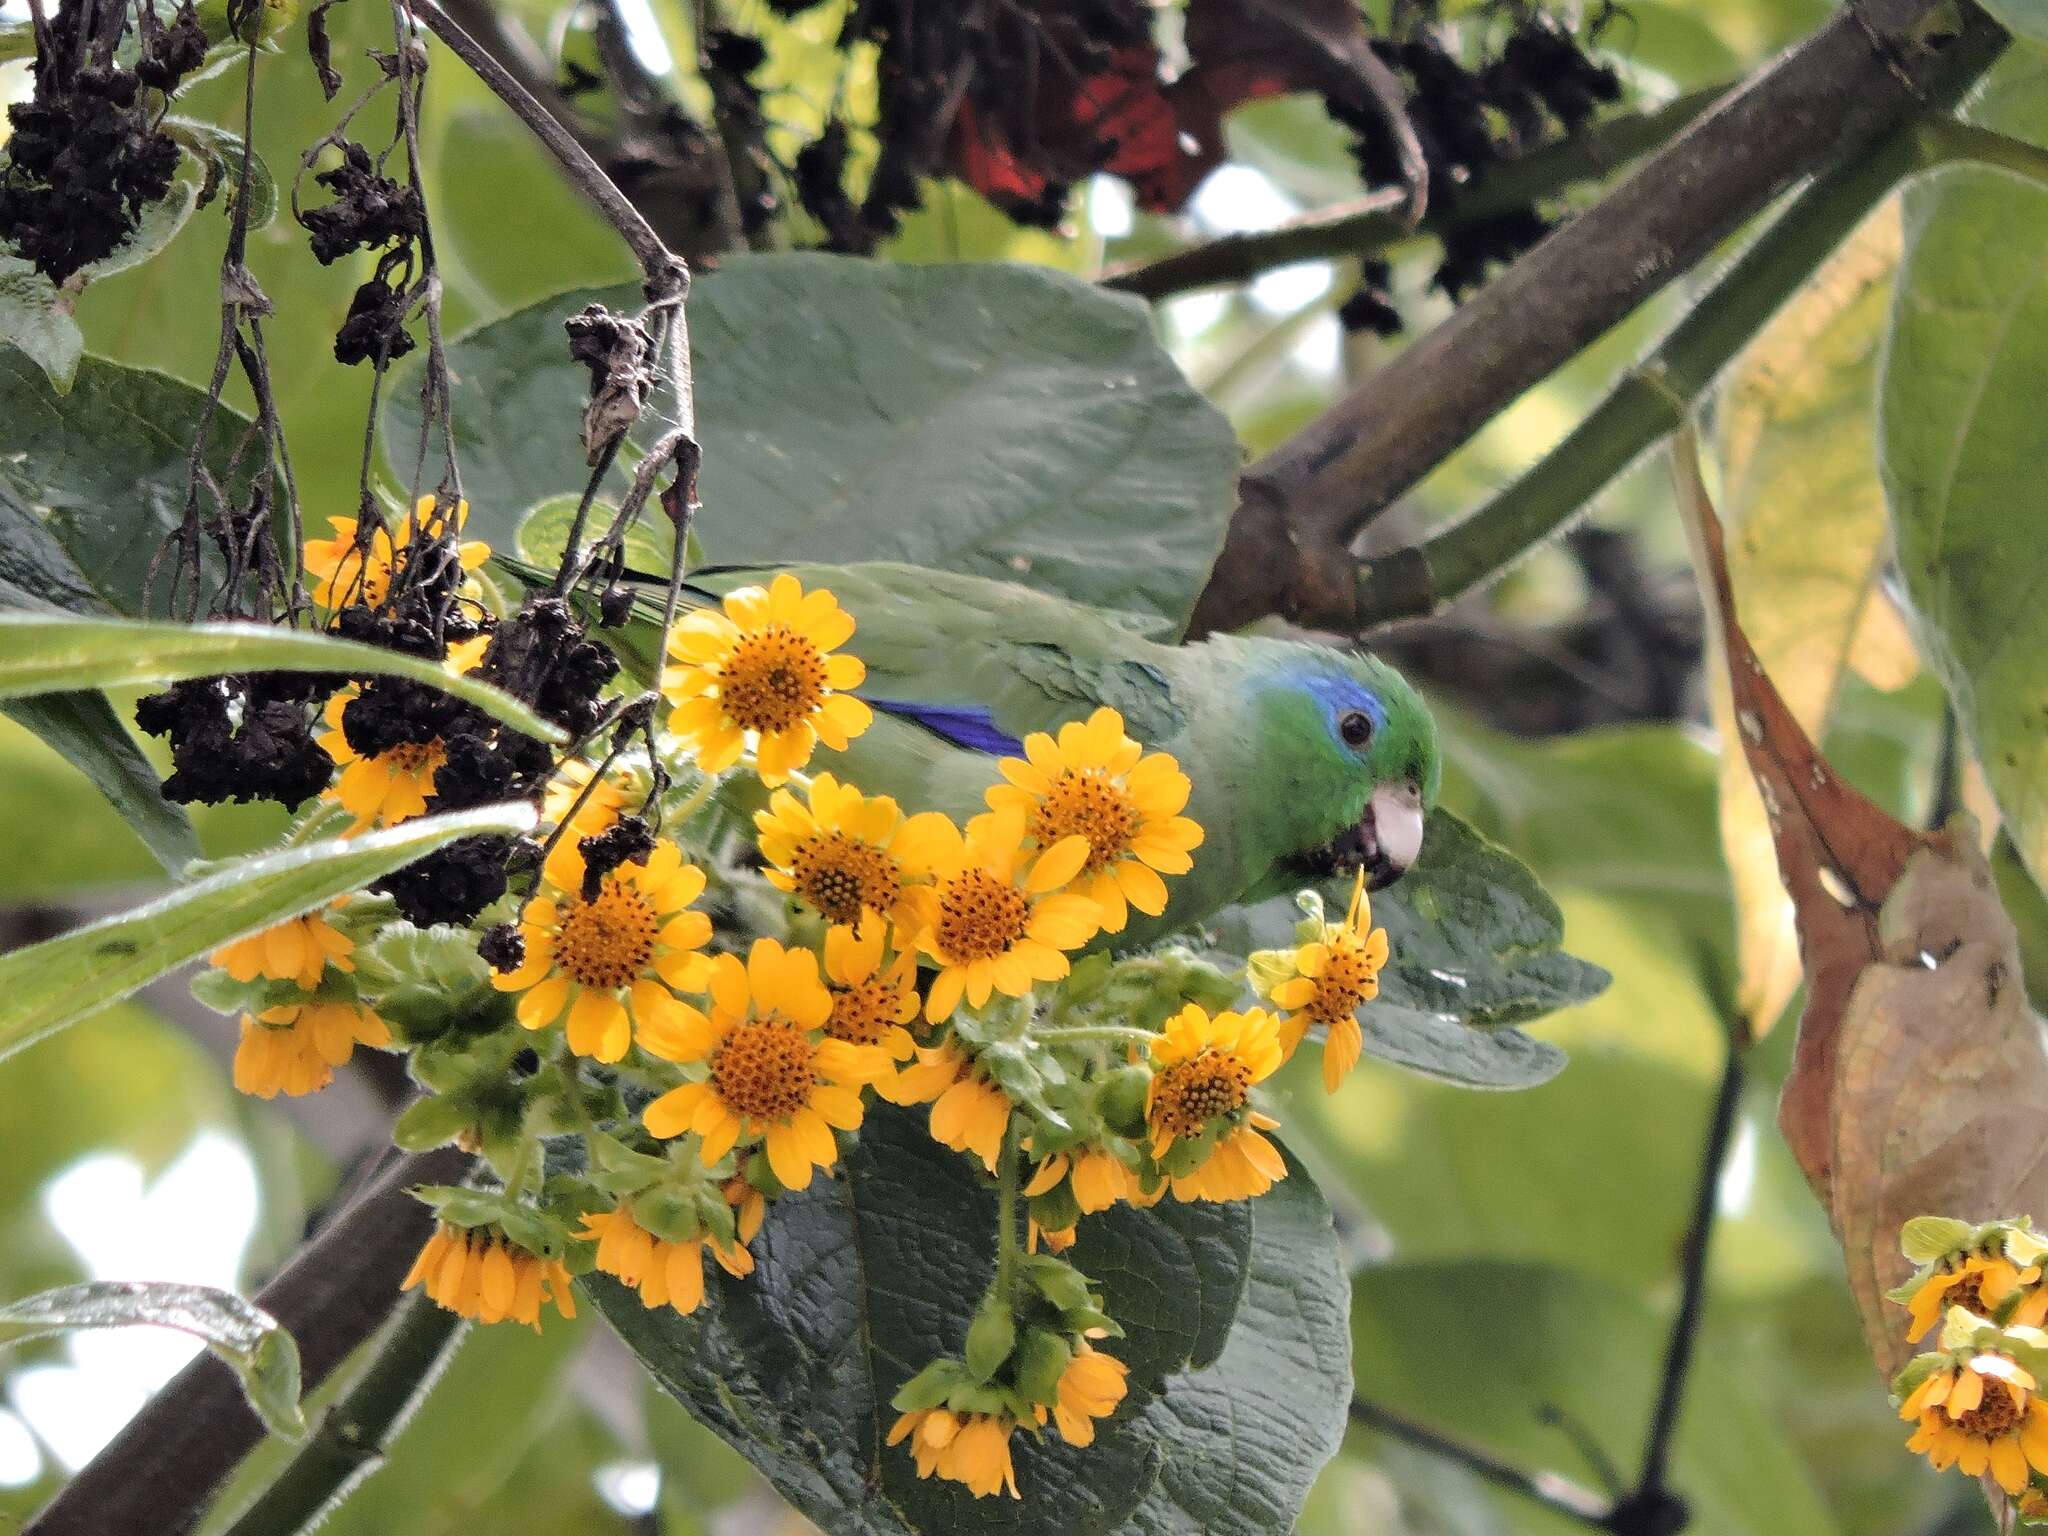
x=1653, y=399
x=356, y=1433
x=1946, y=140
x=1065, y=1034
x=1374, y=223
x=1009, y=1247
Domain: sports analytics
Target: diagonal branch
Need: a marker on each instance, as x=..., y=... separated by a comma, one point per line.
x=1368, y=225
x=1859, y=75
x=156, y=1477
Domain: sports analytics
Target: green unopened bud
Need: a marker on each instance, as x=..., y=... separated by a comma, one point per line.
x=929, y=1387
x=431, y=1122
x=1056, y=1209
x=1041, y=1361
x=990, y=1338
x=1058, y=1282
x=1122, y=1100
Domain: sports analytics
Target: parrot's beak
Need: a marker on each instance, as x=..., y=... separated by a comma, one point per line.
x=1391, y=832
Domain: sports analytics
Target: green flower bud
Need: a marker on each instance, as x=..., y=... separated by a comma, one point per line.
x=1122, y=1100
x=990, y=1337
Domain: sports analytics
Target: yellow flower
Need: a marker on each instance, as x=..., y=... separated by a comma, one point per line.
x=477, y=1273
x=599, y=811
x=995, y=920
x=1980, y=1413
x=666, y=1274
x=293, y=1049
x=1334, y=977
x=1096, y=782
x=1979, y=1285
x=391, y=786
x=1090, y=1388
x=763, y=666
x=774, y=1076
x=970, y=1448
x=1100, y=1179
x=871, y=1002
x=344, y=573
x=297, y=950
x=970, y=1113
x=611, y=962
x=845, y=854
x=1204, y=1069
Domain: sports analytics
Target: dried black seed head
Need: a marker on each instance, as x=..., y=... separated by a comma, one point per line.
x=237, y=739
x=375, y=327
x=502, y=946
x=452, y=884
x=615, y=606
x=369, y=209
x=629, y=840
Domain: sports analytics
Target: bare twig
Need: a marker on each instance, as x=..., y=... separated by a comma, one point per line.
x=1368, y=225
x=1823, y=102
x=664, y=270
x=156, y=1477
x=1559, y=1494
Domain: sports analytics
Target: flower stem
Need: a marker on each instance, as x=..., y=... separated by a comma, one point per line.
x=1067, y=1034
x=1009, y=1249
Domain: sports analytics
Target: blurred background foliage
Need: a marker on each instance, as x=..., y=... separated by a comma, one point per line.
x=1533, y=1238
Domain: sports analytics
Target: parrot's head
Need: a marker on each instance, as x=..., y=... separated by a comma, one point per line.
x=1357, y=749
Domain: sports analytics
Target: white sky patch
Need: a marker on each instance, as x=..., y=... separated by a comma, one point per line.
x=1286, y=289
x=1738, y=1174
x=20, y=1461
x=1235, y=199
x=1111, y=208
x=630, y=1487
x=643, y=36
x=190, y=1225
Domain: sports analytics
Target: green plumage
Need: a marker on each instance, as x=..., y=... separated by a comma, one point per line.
x=1254, y=723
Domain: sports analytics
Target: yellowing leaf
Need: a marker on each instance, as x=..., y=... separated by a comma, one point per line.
x=1807, y=539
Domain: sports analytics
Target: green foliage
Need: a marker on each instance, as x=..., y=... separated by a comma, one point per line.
x=48, y=653
x=61, y=980
x=261, y=1354
x=1476, y=949
x=795, y=1365
x=1960, y=442
x=1580, y=1344
x=1032, y=423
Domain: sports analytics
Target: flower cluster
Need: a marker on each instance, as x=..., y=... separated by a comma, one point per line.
x=681, y=1001
x=1974, y=1400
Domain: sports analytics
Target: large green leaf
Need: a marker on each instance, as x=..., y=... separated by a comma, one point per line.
x=1487, y=1347
x=37, y=573
x=1960, y=428
x=84, y=729
x=45, y=653
x=249, y=1339
x=60, y=981
x=1001, y=420
x=1476, y=949
x=863, y=1279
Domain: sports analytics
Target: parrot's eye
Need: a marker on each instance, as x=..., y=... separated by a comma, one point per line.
x=1355, y=726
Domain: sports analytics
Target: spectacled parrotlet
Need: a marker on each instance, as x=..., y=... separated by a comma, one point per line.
x=1305, y=761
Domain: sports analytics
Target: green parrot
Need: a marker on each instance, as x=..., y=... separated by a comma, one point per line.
x=1305, y=760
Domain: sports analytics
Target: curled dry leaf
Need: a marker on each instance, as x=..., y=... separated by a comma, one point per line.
x=1920, y=1080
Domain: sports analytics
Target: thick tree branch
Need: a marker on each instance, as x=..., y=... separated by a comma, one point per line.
x=1371, y=224
x=156, y=1477
x=1858, y=76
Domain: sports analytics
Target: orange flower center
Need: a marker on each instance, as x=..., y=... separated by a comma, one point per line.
x=1086, y=802
x=862, y=1014
x=1992, y=1419
x=980, y=916
x=1346, y=982
x=841, y=875
x=772, y=679
x=763, y=1068
x=416, y=758
x=606, y=943
x=1189, y=1094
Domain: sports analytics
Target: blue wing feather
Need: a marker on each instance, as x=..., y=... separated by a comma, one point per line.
x=971, y=727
